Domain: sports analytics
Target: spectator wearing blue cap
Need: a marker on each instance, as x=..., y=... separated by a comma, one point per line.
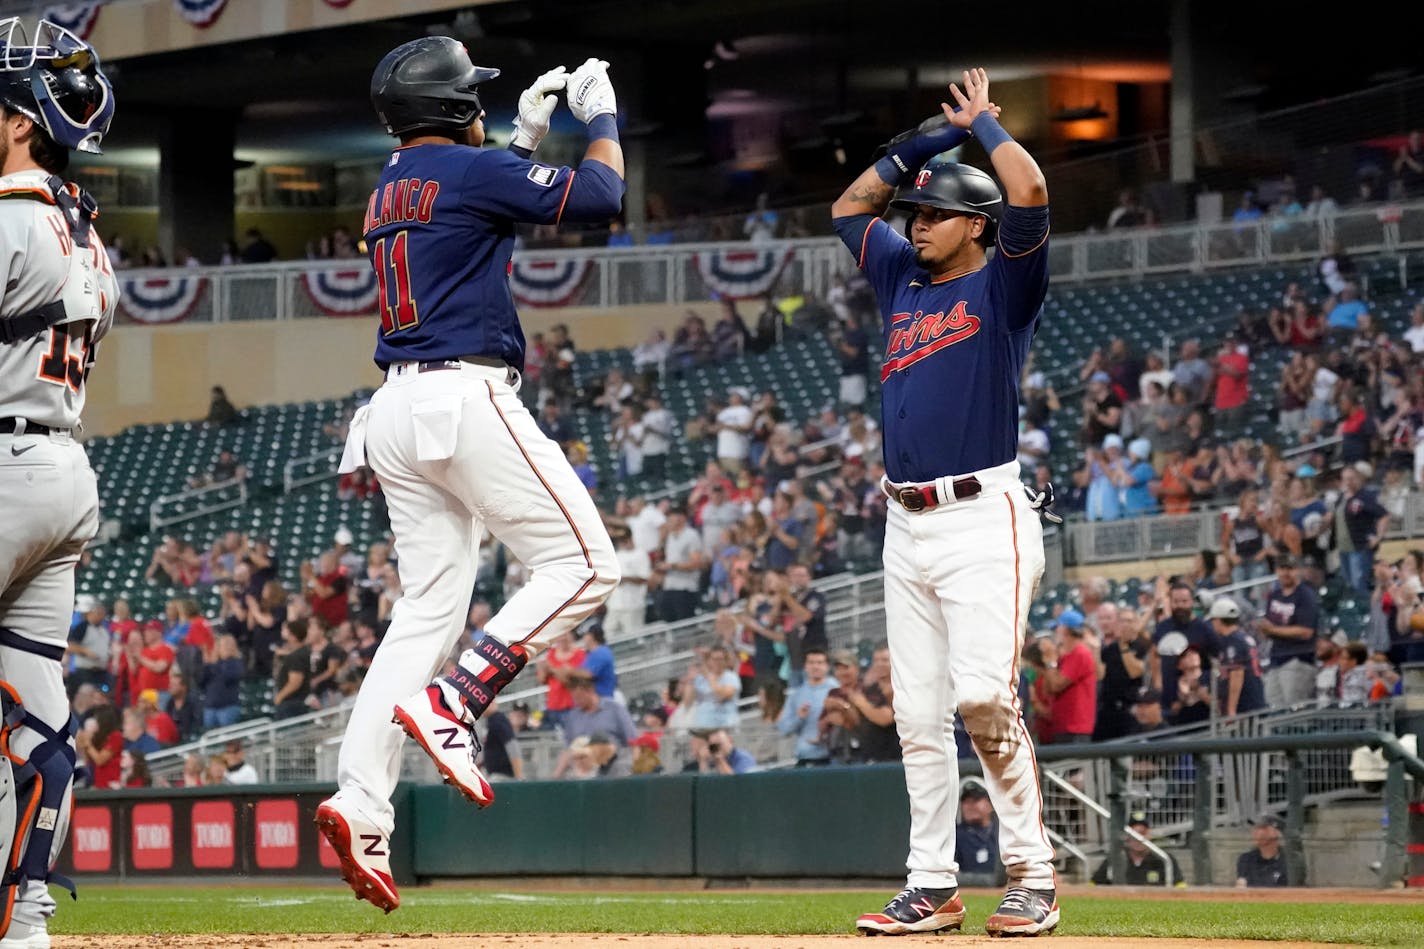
x=1139, y=480
x=1105, y=471
x=1070, y=674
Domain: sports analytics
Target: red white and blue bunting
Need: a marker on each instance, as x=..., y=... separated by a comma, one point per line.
x=200, y=13
x=161, y=299
x=741, y=274
x=548, y=282
x=342, y=292
x=77, y=18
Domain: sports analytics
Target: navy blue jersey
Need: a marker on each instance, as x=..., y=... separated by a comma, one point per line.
x=1238, y=651
x=954, y=350
x=440, y=234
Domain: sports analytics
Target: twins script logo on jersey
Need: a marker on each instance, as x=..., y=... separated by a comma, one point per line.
x=926, y=333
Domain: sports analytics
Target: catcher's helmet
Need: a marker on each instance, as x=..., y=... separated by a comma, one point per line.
x=55, y=81
x=942, y=183
x=428, y=83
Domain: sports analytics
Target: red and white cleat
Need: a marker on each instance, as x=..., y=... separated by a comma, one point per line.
x=364, y=850
x=447, y=739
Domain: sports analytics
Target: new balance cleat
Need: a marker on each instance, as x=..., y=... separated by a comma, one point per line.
x=1024, y=912
x=915, y=910
x=364, y=850
x=447, y=739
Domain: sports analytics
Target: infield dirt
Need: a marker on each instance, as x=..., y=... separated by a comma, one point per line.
x=623, y=941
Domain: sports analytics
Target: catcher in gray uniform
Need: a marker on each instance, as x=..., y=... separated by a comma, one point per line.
x=57, y=299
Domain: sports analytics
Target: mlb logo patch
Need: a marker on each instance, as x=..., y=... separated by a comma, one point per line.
x=542, y=175
x=395, y=157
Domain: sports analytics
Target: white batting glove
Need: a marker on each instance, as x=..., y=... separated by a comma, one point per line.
x=590, y=93
x=536, y=106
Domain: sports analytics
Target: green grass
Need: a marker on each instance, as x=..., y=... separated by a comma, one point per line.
x=314, y=909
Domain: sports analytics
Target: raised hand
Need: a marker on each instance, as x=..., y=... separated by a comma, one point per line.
x=590, y=92
x=973, y=100
x=536, y=106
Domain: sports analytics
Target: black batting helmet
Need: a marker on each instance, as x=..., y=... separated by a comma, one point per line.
x=948, y=184
x=428, y=83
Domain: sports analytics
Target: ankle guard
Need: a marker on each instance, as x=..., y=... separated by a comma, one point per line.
x=484, y=671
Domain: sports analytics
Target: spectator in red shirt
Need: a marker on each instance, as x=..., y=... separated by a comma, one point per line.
x=200, y=633
x=156, y=722
x=563, y=654
x=121, y=623
x=101, y=743
x=327, y=588
x=1233, y=381
x=127, y=668
x=1072, y=681
x=154, y=661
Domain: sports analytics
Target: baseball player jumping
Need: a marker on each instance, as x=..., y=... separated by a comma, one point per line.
x=963, y=545
x=57, y=300
x=447, y=434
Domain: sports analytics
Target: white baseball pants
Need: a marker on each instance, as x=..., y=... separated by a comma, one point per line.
x=50, y=501
x=455, y=451
x=959, y=579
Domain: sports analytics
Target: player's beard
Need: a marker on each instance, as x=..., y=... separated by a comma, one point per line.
x=937, y=261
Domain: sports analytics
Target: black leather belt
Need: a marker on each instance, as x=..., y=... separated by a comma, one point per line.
x=438, y=364
x=922, y=497
x=8, y=426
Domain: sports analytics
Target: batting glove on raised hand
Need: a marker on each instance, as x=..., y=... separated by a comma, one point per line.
x=536, y=106
x=590, y=93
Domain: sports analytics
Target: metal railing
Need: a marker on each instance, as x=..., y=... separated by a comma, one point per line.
x=1180, y=535
x=299, y=472
x=196, y=502
x=669, y=274
x=1194, y=758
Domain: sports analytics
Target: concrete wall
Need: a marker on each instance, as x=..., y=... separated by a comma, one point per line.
x=164, y=373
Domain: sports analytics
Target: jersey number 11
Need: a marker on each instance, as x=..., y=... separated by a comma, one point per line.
x=393, y=284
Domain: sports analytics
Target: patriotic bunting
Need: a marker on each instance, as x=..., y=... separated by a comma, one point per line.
x=741, y=274
x=548, y=282
x=200, y=13
x=342, y=292
x=77, y=18
x=161, y=299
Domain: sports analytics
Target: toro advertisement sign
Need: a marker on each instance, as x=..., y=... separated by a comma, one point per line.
x=183, y=832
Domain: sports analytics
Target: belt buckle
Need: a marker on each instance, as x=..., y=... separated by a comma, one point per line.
x=911, y=499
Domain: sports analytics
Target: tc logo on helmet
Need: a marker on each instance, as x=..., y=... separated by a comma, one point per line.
x=923, y=178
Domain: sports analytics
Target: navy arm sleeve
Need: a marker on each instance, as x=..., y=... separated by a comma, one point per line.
x=595, y=193
x=502, y=184
x=1020, y=267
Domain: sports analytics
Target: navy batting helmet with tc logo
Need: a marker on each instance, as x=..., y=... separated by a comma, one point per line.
x=942, y=183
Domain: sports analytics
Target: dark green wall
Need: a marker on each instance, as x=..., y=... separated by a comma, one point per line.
x=825, y=822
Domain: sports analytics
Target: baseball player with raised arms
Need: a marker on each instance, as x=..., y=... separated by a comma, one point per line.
x=447, y=434
x=963, y=544
x=57, y=300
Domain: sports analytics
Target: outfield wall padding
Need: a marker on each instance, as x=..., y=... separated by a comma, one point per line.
x=822, y=822
x=638, y=826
